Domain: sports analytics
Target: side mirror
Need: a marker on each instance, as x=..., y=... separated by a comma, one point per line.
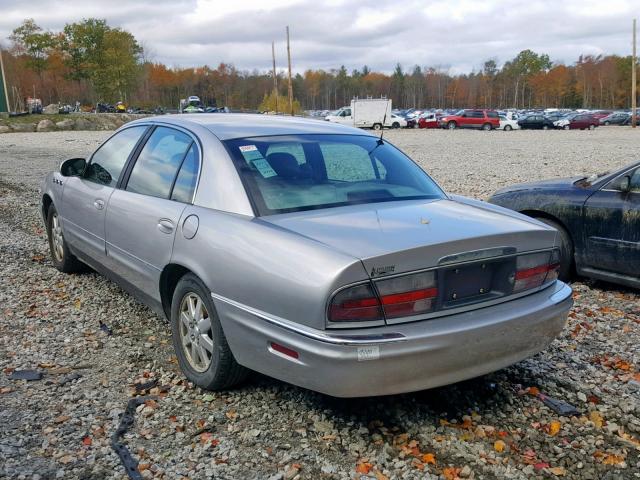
x=73, y=167
x=625, y=184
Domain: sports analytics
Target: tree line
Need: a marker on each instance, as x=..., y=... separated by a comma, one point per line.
x=90, y=61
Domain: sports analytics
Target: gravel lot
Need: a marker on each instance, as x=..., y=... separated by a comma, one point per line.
x=491, y=427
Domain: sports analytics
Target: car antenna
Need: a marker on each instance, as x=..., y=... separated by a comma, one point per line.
x=384, y=120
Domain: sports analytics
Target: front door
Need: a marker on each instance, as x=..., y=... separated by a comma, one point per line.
x=612, y=227
x=84, y=198
x=143, y=216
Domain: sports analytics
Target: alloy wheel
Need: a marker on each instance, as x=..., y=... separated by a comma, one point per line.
x=196, y=335
x=57, y=239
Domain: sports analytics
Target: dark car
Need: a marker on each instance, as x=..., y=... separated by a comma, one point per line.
x=582, y=121
x=617, y=118
x=535, y=121
x=598, y=219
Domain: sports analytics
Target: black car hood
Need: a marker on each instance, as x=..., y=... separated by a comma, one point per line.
x=553, y=184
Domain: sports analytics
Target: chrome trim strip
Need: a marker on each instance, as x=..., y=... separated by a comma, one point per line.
x=311, y=332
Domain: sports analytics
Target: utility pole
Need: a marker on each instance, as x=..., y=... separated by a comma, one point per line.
x=4, y=96
x=290, y=85
x=275, y=75
x=633, y=79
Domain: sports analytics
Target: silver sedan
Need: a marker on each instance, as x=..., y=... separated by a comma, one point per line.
x=315, y=253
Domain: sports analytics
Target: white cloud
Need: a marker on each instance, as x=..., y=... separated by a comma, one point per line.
x=456, y=34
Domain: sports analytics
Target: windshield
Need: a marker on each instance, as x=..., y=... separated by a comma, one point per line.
x=304, y=172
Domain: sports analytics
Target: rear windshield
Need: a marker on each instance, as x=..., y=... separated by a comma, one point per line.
x=305, y=172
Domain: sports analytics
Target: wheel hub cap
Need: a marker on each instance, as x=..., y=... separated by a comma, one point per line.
x=195, y=332
x=57, y=239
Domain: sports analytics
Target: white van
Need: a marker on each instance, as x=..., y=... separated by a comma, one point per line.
x=368, y=113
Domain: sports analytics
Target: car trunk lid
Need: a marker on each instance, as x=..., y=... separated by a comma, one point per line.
x=403, y=236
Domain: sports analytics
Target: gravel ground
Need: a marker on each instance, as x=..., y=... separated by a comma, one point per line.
x=491, y=427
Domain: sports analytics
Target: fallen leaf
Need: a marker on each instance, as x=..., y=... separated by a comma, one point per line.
x=77, y=304
x=554, y=428
x=498, y=446
x=61, y=419
x=6, y=390
x=596, y=418
x=612, y=459
x=429, y=458
x=364, y=468
x=144, y=466
x=533, y=391
x=231, y=414
x=558, y=471
x=541, y=465
x=451, y=473
x=379, y=475
x=87, y=441
x=67, y=459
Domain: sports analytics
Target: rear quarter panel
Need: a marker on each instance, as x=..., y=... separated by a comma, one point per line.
x=263, y=266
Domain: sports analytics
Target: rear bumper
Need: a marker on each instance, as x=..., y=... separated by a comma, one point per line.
x=398, y=358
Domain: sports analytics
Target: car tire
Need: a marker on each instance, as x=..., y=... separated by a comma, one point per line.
x=395, y=125
x=545, y=127
x=592, y=127
x=377, y=126
x=607, y=123
x=486, y=126
x=508, y=128
x=566, y=127
x=566, y=249
x=452, y=125
x=61, y=256
x=199, y=342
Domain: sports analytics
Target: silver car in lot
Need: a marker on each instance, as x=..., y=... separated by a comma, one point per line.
x=314, y=253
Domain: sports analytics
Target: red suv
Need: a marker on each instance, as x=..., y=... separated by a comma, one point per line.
x=484, y=119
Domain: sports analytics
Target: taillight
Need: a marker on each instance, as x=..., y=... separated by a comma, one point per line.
x=554, y=266
x=352, y=304
x=408, y=294
x=534, y=269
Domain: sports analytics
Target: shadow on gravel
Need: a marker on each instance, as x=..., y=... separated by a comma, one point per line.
x=483, y=395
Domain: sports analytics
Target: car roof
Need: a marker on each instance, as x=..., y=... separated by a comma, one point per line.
x=226, y=126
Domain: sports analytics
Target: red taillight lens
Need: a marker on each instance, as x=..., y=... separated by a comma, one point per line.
x=408, y=294
x=354, y=304
x=534, y=269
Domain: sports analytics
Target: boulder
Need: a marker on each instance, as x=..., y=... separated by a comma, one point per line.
x=51, y=109
x=23, y=127
x=45, y=125
x=82, y=123
x=4, y=129
x=66, y=124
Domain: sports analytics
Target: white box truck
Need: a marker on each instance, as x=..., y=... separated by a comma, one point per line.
x=368, y=113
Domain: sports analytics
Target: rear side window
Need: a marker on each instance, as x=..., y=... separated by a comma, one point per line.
x=159, y=162
x=108, y=161
x=492, y=114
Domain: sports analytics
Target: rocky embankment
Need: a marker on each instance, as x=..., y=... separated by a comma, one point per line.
x=59, y=122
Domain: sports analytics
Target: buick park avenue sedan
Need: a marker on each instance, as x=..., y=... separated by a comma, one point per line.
x=314, y=253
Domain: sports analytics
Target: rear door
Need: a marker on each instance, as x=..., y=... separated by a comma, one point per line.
x=612, y=227
x=476, y=118
x=84, y=198
x=143, y=215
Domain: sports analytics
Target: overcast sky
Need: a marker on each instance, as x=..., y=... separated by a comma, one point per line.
x=453, y=34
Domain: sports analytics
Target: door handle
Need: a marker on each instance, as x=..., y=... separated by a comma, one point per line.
x=99, y=204
x=165, y=226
